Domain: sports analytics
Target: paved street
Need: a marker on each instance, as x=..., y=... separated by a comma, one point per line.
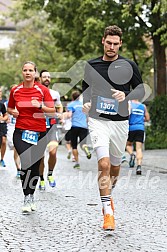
x=69, y=217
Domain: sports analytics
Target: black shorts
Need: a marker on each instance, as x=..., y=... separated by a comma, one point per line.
x=68, y=136
x=3, y=129
x=77, y=132
x=136, y=136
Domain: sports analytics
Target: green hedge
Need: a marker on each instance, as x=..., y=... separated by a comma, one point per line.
x=155, y=139
x=156, y=134
x=158, y=113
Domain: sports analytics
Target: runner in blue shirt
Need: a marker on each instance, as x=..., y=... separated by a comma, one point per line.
x=79, y=128
x=138, y=115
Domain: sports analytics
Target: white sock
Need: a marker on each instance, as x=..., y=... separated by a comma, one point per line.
x=106, y=202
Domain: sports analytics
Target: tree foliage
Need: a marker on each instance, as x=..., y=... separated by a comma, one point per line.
x=79, y=26
x=151, y=17
x=74, y=30
x=33, y=41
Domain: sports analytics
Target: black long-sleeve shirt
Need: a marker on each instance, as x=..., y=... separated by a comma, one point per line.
x=100, y=76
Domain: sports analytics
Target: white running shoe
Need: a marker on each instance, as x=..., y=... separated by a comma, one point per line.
x=32, y=203
x=26, y=209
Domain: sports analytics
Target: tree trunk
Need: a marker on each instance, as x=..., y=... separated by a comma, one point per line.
x=159, y=67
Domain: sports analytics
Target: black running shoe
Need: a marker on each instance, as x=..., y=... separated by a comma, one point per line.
x=138, y=170
x=132, y=160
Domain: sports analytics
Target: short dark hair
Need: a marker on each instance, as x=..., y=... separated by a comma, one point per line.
x=75, y=94
x=112, y=30
x=42, y=71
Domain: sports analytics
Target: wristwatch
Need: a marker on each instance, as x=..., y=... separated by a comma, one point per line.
x=40, y=107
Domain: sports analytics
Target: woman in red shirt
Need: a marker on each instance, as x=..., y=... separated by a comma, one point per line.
x=28, y=103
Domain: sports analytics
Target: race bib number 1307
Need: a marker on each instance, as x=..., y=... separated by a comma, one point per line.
x=107, y=106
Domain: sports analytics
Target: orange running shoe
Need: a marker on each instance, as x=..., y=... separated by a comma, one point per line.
x=109, y=222
x=112, y=206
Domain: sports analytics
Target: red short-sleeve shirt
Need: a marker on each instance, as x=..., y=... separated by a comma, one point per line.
x=30, y=118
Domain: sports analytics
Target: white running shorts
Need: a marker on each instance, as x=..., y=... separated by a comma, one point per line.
x=110, y=134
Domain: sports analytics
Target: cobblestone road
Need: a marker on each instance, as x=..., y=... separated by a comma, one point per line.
x=69, y=216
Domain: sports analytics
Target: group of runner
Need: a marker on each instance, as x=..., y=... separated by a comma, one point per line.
x=106, y=91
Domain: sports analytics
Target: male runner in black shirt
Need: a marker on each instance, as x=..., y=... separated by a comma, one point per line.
x=107, y=86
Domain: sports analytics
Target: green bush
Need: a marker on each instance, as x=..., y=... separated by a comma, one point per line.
x=155, y=139
x=156, y=134
x=158, y=113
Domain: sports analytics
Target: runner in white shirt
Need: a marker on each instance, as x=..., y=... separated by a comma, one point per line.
x=53, y=136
